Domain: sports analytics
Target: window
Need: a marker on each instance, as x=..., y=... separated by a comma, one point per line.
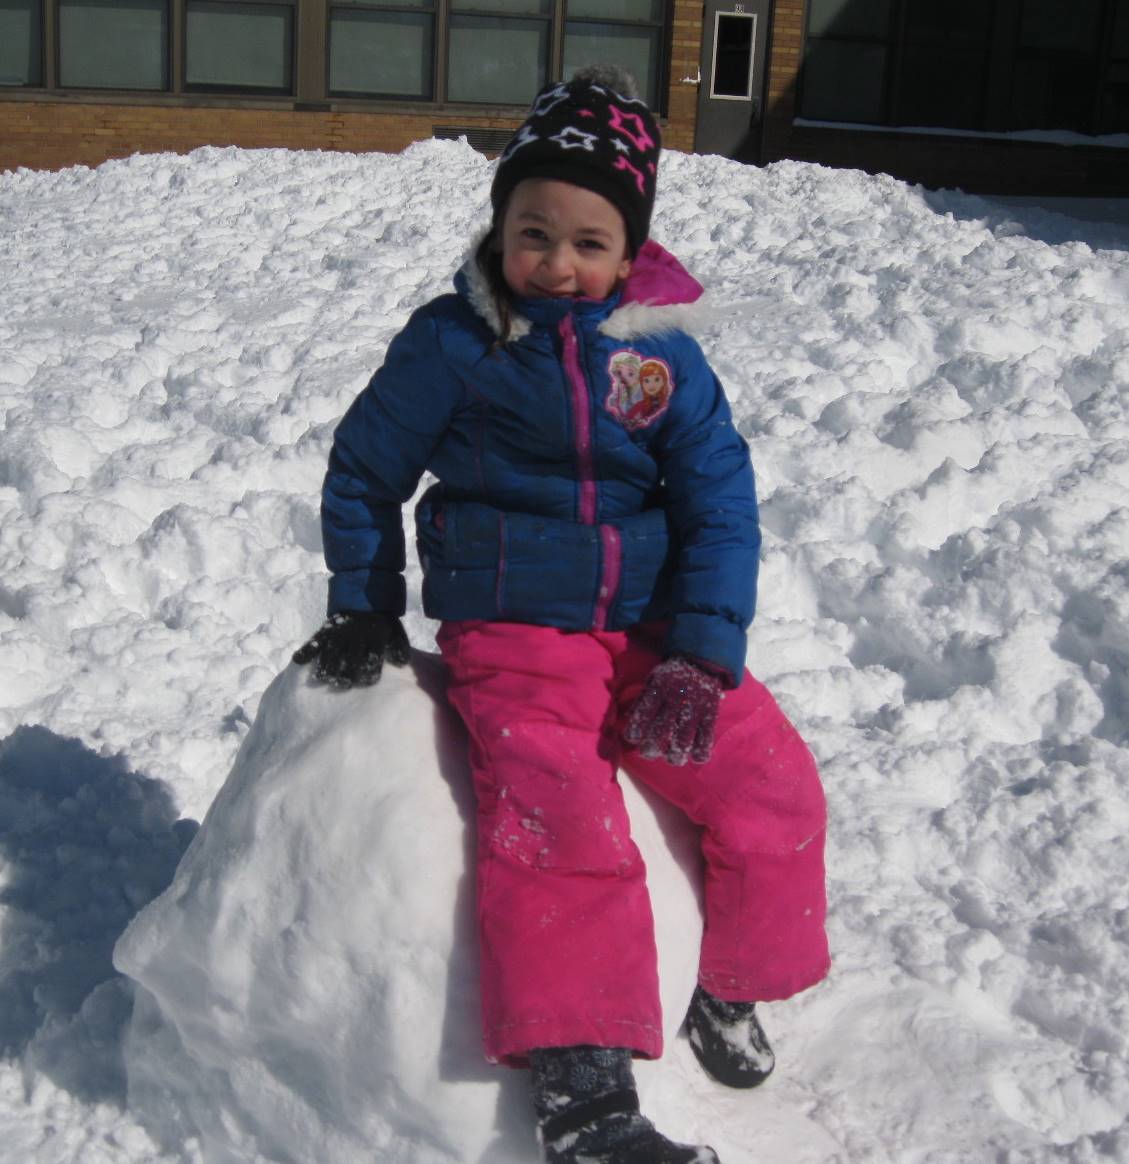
x=969, y=64
x=845, y=66
x=943, y=64
x=472, y=52
x=628, y=33
x=495, y=52
x=381, y=50
x=732, y=72
x=498, y=50
x=1056, y=64
x=239, y=44
x=113, y=44
x=860, y=19
x=1114, y=109
x=21, y=51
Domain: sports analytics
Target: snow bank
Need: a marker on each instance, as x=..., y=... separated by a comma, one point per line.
x=936, y=393
x=308, y=983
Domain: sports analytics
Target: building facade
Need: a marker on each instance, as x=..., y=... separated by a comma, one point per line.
x=1005, y=95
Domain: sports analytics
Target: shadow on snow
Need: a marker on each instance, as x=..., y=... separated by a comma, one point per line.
x=84, y=844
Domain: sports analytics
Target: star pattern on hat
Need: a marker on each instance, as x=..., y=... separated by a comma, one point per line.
x=547, y=100
x=631, y=126
x=571, y=138
x=640, y=181
x=524, y=136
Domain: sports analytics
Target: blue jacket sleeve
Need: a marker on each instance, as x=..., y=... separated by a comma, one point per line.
x=380, y=450
x=712, y=504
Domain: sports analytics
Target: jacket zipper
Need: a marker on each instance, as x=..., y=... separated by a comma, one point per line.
x=582, y=421
x=610, y=545
x=609, y=575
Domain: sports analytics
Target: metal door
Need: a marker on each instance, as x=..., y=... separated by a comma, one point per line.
x=732, y=89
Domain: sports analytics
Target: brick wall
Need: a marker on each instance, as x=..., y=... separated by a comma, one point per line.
x=685, y=60
x=52, y=134
x=784, y=55
x=48, y=135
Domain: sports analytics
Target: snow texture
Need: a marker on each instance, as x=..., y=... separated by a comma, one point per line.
x=936, y=392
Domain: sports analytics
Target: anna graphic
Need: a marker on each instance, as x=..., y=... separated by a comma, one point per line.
x=656, y=386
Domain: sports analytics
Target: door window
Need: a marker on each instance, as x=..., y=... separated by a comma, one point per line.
x=732, y=74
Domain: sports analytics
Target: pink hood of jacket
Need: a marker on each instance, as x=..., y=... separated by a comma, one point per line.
x=658, y=279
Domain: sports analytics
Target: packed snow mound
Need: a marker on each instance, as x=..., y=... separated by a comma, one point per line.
x=308, y=983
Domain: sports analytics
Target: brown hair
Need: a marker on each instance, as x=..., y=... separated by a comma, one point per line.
x=488, y=256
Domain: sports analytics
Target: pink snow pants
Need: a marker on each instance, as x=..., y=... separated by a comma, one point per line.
x=567, y=939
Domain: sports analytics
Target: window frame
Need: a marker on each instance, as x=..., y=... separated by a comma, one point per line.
x=547, y=20
x=39, y=7
x=856, y=38
x=751, y=18
x=431, y=8
x=198, y=88
x=663, y=26
x=56, y=56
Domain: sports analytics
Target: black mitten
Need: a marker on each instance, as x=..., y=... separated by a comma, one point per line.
x=350, y=648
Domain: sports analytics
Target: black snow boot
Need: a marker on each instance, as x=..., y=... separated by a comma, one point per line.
x=729, y=1040
x=588, y=1111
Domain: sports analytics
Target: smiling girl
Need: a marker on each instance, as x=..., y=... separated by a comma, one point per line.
x=593, y=561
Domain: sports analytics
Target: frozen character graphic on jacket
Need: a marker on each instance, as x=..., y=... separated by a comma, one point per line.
x=654, y=380
x=623, y=368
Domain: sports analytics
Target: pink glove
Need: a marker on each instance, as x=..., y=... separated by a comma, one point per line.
x=676, y=716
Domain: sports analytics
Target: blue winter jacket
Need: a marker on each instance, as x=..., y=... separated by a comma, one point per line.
x=589, y=474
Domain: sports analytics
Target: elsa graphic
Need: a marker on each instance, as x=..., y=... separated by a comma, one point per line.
x=626, y=391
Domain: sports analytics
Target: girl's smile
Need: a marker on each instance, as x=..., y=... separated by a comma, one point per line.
x=562, y=240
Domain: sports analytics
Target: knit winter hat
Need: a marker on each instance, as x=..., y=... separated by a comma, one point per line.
x=590, y=132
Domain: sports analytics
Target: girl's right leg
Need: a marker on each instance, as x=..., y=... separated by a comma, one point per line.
x=567, y=942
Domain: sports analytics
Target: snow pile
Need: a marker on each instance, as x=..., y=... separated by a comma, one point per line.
x=936, y=392
x=310, y=976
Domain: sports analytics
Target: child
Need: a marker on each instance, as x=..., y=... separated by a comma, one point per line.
x=593, y=565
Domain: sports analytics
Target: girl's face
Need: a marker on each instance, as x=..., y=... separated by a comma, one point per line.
x=562, y=240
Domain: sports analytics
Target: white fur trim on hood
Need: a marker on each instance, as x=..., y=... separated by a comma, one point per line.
x=481, y=298
x=636, y=320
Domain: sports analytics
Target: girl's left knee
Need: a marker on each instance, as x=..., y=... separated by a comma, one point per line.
x=767, y=792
